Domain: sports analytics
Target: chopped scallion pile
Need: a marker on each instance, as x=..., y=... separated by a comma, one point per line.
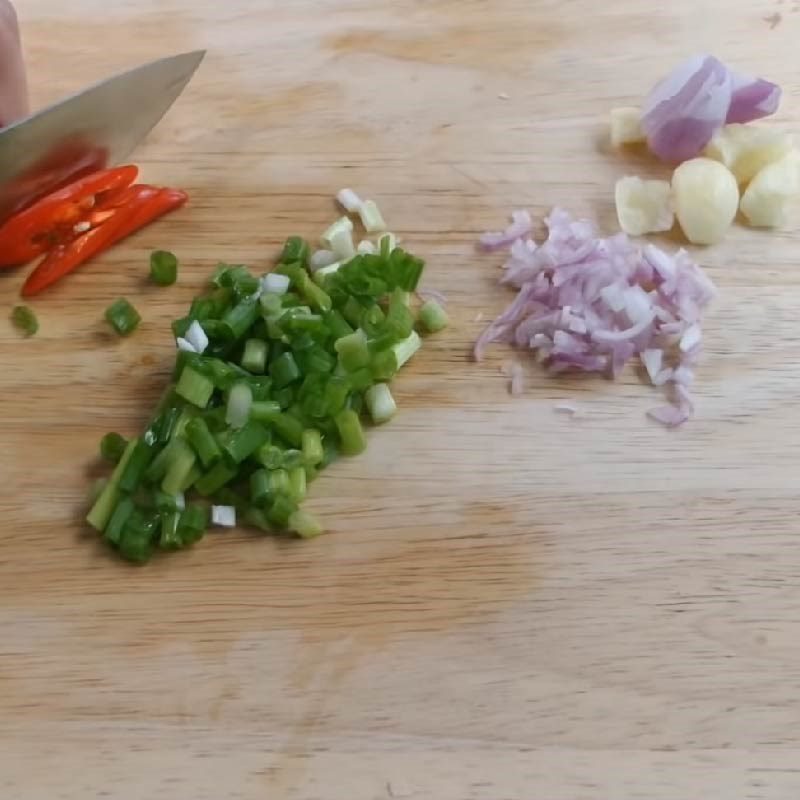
x=272, y=382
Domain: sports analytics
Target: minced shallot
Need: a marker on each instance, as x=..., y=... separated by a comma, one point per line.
x=591, y=303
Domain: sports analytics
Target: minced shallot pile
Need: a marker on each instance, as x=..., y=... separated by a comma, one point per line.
x=591, y=303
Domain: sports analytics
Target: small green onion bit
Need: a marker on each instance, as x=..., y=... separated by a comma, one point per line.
x=123, y=317
x=25, y=320
x=112, y=446
x=163, y=267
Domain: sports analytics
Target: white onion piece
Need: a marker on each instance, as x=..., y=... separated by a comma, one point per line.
x=591, y=304
x=196, y=337
x=274, y=283
x=349, y=201
x=752, y=98
x=184, y=345
x=224, y=516
x=321, y=258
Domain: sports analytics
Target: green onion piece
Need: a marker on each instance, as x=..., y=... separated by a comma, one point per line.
x=351, y=433
x=311, y=443
x=123, y=317
x=353, y=350
x=270, y=455
x=315, y=295
x=293, y=458
x=279, y=482
x=192, y=524
x=284, y=397
x=194, y=475
x=135, y=468
x=238, y=409
x=384, y=365
x=203, y=441
x=254, y=358
x=245, y=441
x=259, y=487
x=112, y=446
x=352, y=311
x=194, y=387
x=281, y=511
x=295, y=250
x=24, y=318
x=380, y=403
x=361, y=379
x=405, y=349
x=169, y=538
x=433, y=317
x=214, y=480
x=264, y=410
x=373, y=321
x=271, y=304
x=371, y=217
x=337, y=324
x=123, y=510
x=289, y=428
x=335, y=394
x=163, y=267
x=240, y=318
x=181, y=464
x=97, y=488
x=297, y=484
x=305, y=525
x=284, y=370
x=168, y=502
x=399, y=320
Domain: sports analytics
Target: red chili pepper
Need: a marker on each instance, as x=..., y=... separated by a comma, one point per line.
x=51, y=220
x=145, y=204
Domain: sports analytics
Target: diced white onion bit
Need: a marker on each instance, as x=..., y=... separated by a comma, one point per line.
x=196, y=337
x=339, y=238
x=365, y=248
x=223, y=516
x=591, y=304
x=321, y=258
x=273, y=283
x=349, y=201
x=184, y=345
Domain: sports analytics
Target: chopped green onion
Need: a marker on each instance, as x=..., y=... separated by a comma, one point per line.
x=295, y=251
x=123, y=317
x=112, y=447
x=259, y=487
x=163, y=267
x=270, y=455
x=281, y=511
x=119, y=518
x=324, y=272
x=279, y=482
x=297, y=484
x=284, y=370
x=24, y=318
x=405, y=349
x=353, y=350
x=433, y=317
x=192, y=524
x=215, y=479
x=371, y=217
x=254, y=358
x=245, y=441
x=237, y=320
x=351, y=433
x=169, y=538
x=273, y=284
x=194, y=387
x=311, y=442
x=203, y=441
x=264, y=410
x=136, y=465
x=240, y=400
x=305, y=525
x=380, y=403
x=288, y=428
x=181, y=464
x=386, y=244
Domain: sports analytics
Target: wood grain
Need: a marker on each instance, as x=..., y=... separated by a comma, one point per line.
x=510, y=604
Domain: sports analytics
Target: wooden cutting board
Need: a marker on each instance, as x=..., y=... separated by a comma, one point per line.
x=510, y=603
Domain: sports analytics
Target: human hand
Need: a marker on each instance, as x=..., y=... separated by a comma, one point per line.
x=13, y=87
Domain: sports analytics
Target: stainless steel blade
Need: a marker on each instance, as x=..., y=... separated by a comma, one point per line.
x=90, y=130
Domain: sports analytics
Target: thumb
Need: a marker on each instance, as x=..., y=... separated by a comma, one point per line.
x=13, y=86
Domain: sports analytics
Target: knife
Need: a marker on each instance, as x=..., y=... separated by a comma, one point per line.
x=95, y=128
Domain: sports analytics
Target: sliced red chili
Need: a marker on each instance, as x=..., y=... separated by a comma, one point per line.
x=147, y=204
x=51, y=220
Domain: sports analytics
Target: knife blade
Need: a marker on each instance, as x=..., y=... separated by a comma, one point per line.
x=89, y=130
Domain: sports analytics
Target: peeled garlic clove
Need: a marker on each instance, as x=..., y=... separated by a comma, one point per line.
x=706, y=197
x=766, y=199
x=626, y=126
x=643, y=206
x=746, y=149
